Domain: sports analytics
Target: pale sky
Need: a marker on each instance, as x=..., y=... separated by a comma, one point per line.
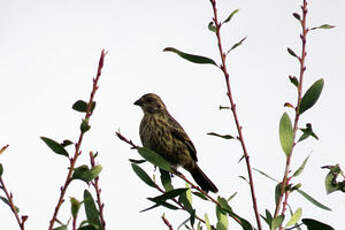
x=49, y=52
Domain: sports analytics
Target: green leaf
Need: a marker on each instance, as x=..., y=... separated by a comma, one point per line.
x=85, y=174
x=311, y=96
x=294, y=81
x=168, y=195
x=294, y=218
x=166, y=180
x=81, y=106
x=268, y=218
x=307, y=132
x=232, y=196
x=301, y=168
x=331, y=183
x=66, y=143
x=207, y=222
x=191, y=57
x=222, y=218
x=231, y=15
x=222, y=136
x=91, y=211
x=84, y=126
x=62, y=227
x=324, y=26
x=265, y=174
x=154, y=158
x=237, y=44
x=276, y=222
x=200, y=195
x=8, y=203
x=160, y=203
x=1, y=169
x=211, y=27
x=286, y=134
x=75, y=205
x=292, y=53
x=143, y=175
x=137, y=161
x=278, y=191
x=313, y=201
x=56, y=147
x=316, y=225
x=297, y=16
x=224, y=204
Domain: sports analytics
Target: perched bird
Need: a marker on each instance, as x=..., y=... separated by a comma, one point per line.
x=160, y=132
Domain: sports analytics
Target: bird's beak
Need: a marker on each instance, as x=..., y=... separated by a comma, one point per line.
x=138, y=102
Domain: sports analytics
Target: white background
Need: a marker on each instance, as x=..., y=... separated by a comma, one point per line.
x=49, y=52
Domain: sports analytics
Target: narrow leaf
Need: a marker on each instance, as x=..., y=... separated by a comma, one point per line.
x=84, y=126
x=265, y=174
x=166, y=180
x=292, y=53
x=66, y=143
x=143, y=175
x=91, y=211
x=1, y=169
x=313, y=201
x=301, y=168
x=219, y=135
x=278, y=191
x=324, y=26
x=297, y=16
x=294, y=218
x=56, y=147
x=75, y=205
x=8, y=203
x=294, y=81
x=200, y=195
x=207, y=222
x=331, y=183
x=62, y=227
x=285, y=133
x=136, y=161
x=231, y=15
x=316, y=225
x=237, y=44
x=311, y=96
x=276, y=222
x=154, y=158
x=191, y=57
x=169, y=195
x=211, y=27
x=222, y=218
x=81, y=106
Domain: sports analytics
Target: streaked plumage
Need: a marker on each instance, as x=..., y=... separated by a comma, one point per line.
x=160, y=132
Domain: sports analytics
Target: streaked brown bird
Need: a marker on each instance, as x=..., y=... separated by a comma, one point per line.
x=160, y=132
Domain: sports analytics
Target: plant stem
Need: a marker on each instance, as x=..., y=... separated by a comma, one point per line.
x=98, y=193
x=301, y=59
x=234, y=112
x=77, y=152
x=167, y=223
x=9, y=197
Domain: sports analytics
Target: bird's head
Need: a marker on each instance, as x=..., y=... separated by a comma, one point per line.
x=151, y=103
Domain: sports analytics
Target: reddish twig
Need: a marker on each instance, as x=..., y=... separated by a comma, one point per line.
x=77, y=152
x=167, y=223
x=301, y=59
x=20, y=220
x=223, y=67
x=98, y=192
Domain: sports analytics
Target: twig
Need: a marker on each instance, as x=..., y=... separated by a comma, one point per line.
x=223, y=67
x=179, y=174
x=20, y=220
x=98, y=192
x=167, y=223
x=301, y=59
x=77, y=152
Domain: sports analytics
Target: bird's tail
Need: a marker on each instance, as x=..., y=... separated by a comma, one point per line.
x=202, y=180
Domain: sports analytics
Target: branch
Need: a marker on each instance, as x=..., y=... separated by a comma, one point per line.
x=77, y=152
x=234, y=112
x=98, y=192
x=167, y=223
x=301, y=59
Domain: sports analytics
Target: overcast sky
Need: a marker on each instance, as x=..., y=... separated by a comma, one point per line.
x=49, y=52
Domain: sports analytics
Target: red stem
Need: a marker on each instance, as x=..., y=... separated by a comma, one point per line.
x=167, y=223
x=12, y=206
x=98, y=192
x=233, y=109
x=77, y=146
x=299, y=98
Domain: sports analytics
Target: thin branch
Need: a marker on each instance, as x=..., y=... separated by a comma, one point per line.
x=20, y=220
x=167, y=223
x=77, y=152
x=98, y=192
x=301, y=59
x=234, y=112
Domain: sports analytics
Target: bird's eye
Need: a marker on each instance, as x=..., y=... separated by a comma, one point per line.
x=149, y=100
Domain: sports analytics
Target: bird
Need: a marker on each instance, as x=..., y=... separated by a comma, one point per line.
x=161, y=133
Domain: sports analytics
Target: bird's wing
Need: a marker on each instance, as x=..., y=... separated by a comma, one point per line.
x=178, y=132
